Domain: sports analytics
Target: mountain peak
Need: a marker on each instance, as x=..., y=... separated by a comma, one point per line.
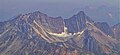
x=81, y=13
x=34, y=13
x=78, y=21
x=38, y=12
x=38, y=34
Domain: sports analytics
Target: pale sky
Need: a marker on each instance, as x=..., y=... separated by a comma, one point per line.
x=64, y=8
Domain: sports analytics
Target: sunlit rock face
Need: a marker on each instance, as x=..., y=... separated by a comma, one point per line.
x=49, y=24
x=38, y=34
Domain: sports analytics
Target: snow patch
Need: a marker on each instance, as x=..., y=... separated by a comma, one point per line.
x=63, y=34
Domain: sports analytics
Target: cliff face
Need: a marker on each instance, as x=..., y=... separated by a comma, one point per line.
x=77, y=22
x=38, y=34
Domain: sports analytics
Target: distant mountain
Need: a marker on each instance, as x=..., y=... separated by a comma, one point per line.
x=38, y=34
x=116, y=30
x=103, y=13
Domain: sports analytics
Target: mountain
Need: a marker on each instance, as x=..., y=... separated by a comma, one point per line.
x=103, y=13
x=77, y=22
x=38, y=34
x=116, y=30
x=104, y=27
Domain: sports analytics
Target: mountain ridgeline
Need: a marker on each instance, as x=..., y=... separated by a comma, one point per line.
x=38, y=34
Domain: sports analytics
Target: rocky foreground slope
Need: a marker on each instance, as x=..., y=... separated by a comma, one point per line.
x=38, y=34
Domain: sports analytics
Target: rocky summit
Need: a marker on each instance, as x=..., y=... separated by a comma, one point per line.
x=38, y=34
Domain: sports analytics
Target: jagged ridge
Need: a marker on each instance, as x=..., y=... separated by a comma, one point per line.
x=37, y=34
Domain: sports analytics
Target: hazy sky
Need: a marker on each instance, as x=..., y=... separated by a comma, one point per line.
x=64, y=8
